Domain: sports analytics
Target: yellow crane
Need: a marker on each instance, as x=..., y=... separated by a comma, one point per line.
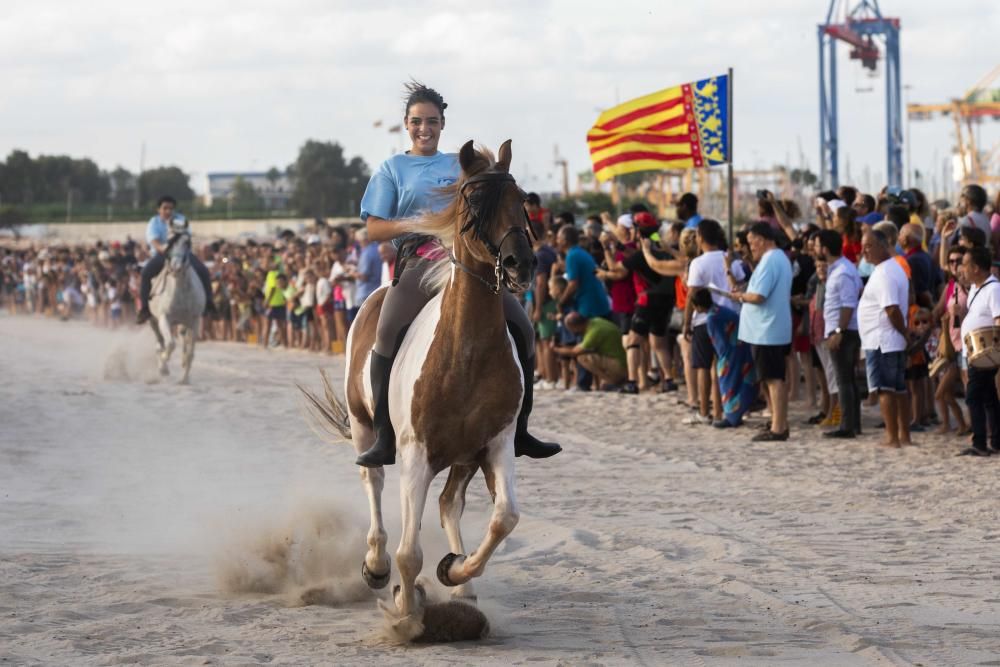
x=980, y=101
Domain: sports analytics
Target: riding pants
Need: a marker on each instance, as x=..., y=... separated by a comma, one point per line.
x=155, y=264
x=407, y=297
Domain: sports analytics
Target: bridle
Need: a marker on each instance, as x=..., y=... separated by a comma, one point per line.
x=500, y=277
x=178, y=238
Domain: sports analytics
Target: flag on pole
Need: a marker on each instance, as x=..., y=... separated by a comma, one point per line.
x=683, y=127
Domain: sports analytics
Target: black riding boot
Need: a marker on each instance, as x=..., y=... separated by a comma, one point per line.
x=383, y=452
x=526, y=444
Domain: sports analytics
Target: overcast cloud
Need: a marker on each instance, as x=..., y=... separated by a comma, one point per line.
x=213, y=86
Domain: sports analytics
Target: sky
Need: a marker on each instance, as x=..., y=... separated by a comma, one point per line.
x=213, y=86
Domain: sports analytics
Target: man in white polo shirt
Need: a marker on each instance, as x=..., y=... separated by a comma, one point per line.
x=882, y=325
x=981, y=389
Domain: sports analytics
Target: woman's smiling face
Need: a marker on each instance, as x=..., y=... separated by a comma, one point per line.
x=424, y=122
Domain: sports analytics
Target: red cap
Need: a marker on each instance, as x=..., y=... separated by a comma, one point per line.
x=644, y=219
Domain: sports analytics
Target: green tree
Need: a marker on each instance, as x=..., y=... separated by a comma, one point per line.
x=273, y=176
x=803, y=177
x=154, y=183
x=326, y=184
x=122, y=187
x=244, y=195
x=48, y=178
x=17, y=178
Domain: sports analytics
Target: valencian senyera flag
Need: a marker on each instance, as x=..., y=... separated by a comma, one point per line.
x=677, y=128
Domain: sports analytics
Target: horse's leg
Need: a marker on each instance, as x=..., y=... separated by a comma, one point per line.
x=187, y=351
x=456, y=569
x=414, y=480
x=161, y=349
x=377, y=566
x=452, y=504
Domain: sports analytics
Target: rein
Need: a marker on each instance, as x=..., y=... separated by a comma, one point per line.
x=500, y=277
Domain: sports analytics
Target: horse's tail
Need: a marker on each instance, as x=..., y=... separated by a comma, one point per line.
x=328, y=413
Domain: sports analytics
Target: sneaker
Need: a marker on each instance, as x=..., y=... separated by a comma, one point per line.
x=629, y=388
x=723, y=423
x=544, y=385
x=575, y=390
x=917, y=428
x=696, y=420
x=669, y=386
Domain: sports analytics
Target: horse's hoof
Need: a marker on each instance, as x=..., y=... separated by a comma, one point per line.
x=445, y=566
x=375, y=581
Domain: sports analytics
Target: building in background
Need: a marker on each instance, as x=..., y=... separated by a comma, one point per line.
x=274, y=188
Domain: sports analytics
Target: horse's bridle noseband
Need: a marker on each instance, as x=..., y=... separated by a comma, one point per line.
x=500, y=276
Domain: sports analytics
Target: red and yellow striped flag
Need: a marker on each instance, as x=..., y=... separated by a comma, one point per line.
x=676, y=128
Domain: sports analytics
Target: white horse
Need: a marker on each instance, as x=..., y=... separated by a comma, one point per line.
x=456, y=386
x=177, y=301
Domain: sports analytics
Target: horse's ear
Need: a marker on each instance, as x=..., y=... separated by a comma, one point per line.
x=505, y=156
x=467, y=156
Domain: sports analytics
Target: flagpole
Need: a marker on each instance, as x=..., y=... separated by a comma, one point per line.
x=729, y=145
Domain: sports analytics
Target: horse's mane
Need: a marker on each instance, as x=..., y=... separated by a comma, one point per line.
x=441, y=224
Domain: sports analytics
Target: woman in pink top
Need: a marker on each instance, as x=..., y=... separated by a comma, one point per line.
x=950, y=310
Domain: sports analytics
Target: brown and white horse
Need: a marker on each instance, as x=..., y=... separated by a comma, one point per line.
x=456, y=384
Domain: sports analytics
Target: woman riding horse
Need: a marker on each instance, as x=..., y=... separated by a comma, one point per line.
x=405, y=185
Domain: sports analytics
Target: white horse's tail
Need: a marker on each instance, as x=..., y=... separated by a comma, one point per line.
x=329, y=414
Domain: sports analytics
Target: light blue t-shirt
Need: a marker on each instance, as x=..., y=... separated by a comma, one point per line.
x=692, y=222
x=159, y=230
x=406, y=185
x=591, y=298
x=769, y=323
x=370, y=268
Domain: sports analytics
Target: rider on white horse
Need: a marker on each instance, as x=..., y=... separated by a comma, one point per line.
x=404, y=186
x=161, y=227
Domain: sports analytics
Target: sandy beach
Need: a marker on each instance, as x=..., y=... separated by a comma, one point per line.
x=155, y=524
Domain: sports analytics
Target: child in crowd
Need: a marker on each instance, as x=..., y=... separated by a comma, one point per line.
x=547, y=326
x=113, y=293
x=562, y=336
x=917, y=373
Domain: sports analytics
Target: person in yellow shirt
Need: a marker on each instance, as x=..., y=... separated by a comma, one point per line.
x=274, y=296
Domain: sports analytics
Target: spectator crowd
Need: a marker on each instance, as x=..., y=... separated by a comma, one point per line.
x=869, y=298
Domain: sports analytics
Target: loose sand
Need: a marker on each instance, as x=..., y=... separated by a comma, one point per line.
x=166, y=525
